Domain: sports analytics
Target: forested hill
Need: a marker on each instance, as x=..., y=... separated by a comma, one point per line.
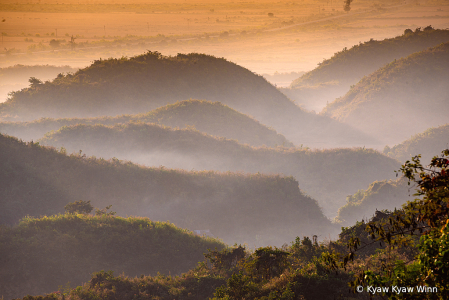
x=401, y=99
x=67, y=249
x=334, y=77
x=350, y=65
x=145, y=82
x=427, y=143
x=328, y=175
x=212, y=118
x=257, y=209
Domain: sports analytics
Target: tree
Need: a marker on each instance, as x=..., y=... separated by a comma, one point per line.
x=34, y=81
x=426, y=217
x=347, y=6
x=79, y=207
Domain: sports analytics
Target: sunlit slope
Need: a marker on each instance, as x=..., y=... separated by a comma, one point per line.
x=380, y=195
x=235, y=207
x=142, y=83
x=328, y=175
x=212, y=118
x=427, y=143
x=69, y=248
x=401, y=99
x=333, y=77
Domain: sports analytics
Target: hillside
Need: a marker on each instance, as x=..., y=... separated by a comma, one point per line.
x=69, y=248
x=212, y=118
x=16, y=77
x=149, y=81
x=380, y=195
x=427, y=143
x=399, y=100
x=255, y=208
x=333, y=77
x=327, y=175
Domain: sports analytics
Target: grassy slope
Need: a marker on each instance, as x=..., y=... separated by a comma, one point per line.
x=327, y=175
x=38, y=255
x=254, y=208
x=404, y=97
x=334, y=76
x=427, y=143
x=212, y=118
x=142, y=83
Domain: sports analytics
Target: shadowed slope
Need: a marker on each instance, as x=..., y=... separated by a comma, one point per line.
x=257, y=209
x=404, y=97
x=334, y=76
x=380, y=195
x=327, y=175
x=211, y=118
x=69, y=248
x=427, y=143
x=145, y=82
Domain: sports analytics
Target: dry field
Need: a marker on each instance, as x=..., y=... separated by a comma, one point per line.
x=299, y=35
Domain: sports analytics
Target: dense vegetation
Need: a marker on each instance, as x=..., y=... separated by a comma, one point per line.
x=212, y=118
x=380, y=195
x=254, y=208
x=328, y=175
x=40, y=254
x=406, y=248
x=424, y=275
x=402, y=98
x=149, y=81
x=333, y=77
x=290, y=272
x=426, y=144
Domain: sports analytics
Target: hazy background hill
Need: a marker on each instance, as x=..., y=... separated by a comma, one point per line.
x=327, y=175
x=427, y=143
x=142, y=83
x=255, y=208
x=67, y=249
x=399, y=100
x=333, y=77
x=212, y=118
x=380, y=195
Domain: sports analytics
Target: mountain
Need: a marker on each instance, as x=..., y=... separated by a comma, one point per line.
x=326, y=175
x=212, y=118
x=399, y=100
x=67, y=249
x=238, y=208
x=149, y=81
x=333, y=77
x=427, y=143
x=380, y=195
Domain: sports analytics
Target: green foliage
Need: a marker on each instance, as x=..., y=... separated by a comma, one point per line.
x=426, y=217
x=79, y=207
x=63, y=248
